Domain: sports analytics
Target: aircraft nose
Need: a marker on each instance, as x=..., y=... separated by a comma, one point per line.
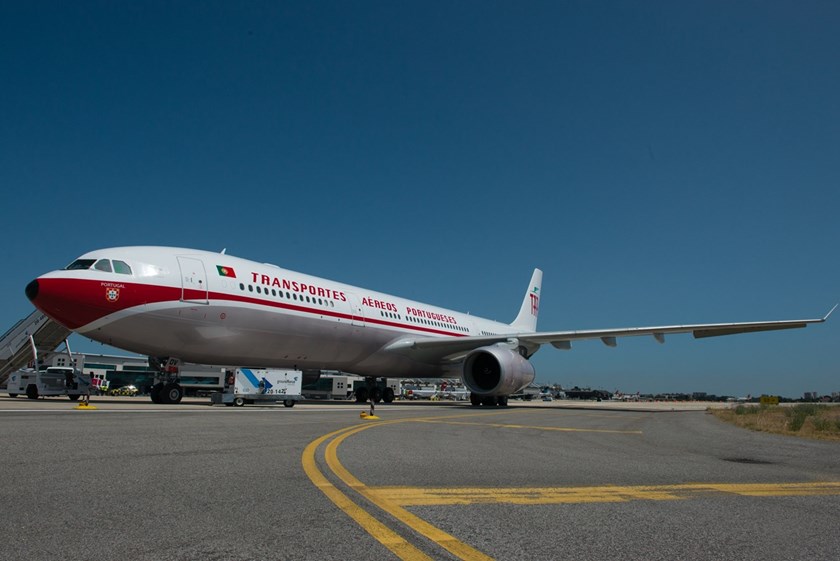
x=32, y=290
x=75, y=301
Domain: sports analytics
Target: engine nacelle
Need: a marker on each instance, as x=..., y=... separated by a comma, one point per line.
x=496, y=370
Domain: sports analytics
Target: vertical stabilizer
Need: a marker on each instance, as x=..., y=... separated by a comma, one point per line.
x=526, y=321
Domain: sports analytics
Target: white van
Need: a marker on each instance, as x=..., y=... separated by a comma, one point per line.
x=52, y=381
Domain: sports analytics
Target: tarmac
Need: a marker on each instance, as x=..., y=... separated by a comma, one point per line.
x=543, y=480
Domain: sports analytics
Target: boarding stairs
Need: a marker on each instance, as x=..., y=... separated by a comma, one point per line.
x=15, y=350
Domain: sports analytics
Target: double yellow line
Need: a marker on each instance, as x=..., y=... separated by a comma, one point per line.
x=385, y=535
x=393, y=500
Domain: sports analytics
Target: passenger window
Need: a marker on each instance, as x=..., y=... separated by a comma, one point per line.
x=121, y=267
x=103, y=265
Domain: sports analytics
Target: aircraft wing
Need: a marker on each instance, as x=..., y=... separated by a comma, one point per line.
x=434, y=349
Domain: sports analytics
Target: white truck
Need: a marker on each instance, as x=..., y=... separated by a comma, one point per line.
x=50, y=381
x=249, y=385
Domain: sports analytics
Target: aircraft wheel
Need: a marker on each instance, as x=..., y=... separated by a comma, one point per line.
x=490, y=401
x=388, y=395
x=475, y=400
x=361, y=395
x=502, y=401
x=32, y=391
x=239, y=401
x=155, y=393
x=173, y=393
x=376, y=395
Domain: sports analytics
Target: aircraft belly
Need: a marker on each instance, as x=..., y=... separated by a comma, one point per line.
x=389, y=365
x=236, y=336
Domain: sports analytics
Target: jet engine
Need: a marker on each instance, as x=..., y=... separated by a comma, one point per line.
x=496, y=371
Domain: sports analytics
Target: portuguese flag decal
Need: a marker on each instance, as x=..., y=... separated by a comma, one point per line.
x=226, y=271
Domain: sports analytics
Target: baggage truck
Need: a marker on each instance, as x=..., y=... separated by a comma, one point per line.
x=250, y=385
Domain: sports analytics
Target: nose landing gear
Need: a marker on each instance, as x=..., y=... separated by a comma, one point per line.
x=167, y=388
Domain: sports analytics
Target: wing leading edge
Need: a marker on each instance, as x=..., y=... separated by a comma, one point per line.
x=429, y=349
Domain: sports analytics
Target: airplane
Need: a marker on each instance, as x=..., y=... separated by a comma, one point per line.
x=177, y=304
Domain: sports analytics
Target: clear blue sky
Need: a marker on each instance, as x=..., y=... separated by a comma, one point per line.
x=662, y=162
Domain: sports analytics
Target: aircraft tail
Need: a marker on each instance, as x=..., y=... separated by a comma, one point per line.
x=526, y=321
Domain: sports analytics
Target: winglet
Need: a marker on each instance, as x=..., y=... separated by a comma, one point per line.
x=526, y=321
x=831, y=311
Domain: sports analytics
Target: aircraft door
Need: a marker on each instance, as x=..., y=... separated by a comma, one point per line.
x=358, y=315
x=193, y=280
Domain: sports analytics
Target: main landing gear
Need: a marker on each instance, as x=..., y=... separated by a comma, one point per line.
x=372, y=391
x=488, y=400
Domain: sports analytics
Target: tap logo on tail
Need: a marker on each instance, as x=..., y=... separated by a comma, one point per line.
x=535, y=301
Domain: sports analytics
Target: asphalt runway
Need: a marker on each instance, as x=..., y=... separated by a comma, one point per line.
x=132, y=480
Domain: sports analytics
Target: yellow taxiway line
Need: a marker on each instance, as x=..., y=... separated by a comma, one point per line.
x=425, y=496
x=393, y=499
x=384, y=535
x=536, y=427
x=436, y=535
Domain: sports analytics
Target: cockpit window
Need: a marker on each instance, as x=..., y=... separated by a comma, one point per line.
x=80, y=264
x=104, y=265
x=121, y=267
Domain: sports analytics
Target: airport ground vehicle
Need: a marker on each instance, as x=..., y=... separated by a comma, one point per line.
x=99, y=384
x=332, y=386
x=51, y=381
x=249, y=385
x=129, y=390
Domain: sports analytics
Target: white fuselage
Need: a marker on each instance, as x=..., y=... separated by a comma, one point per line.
x=212, y=308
